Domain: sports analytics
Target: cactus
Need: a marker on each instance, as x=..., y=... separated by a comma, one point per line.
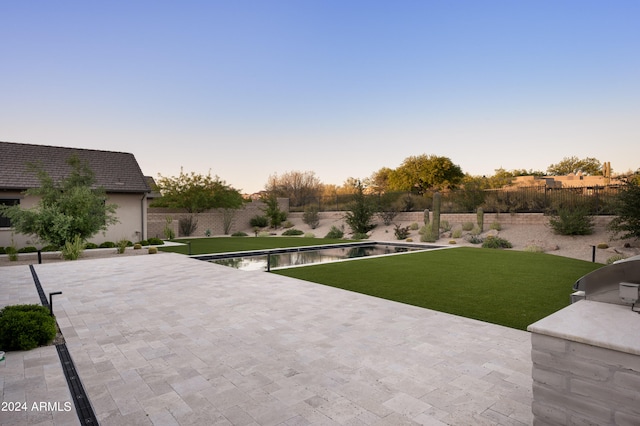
x=426, y=217
x=435, y=226
x=481, y=219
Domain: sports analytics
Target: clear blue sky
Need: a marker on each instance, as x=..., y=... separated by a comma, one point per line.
x=247, y=89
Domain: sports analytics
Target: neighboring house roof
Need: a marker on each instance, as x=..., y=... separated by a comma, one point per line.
x=151, y=182
x=114, y=171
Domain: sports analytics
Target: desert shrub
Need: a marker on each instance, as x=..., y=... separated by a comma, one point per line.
x=603, y=246
x=309, y=235
x=207, y=233
x=107, y=244
x=426, y=234
x=457, y=233
x=239, y=234
x=121, y=246
x=495, y=225
x=12, y=252
x=71, y=250
x=360, y=236
x=572, y=221
x=311, y=217
x=144, y=243
x=401, y=232
x=90, y=246
x=24, y=327
x=168, y=229
x=387, y=216
x=2, y=250
x=445, y=226
x=259, y=221
x=409, y=240
x=474, y=239
x=615, y=258
x=264, y=234
x=155, y=241
x=335, y=233
x=293, y=231
x=534, y=249
x=153, y=250
x=27, y=249
x=187, y=225
x=476, y=230
x=287, y=224
x=452, y=242
x=137, y=246
x=414, y=226
x=467, y=226
x=52, y=247
x=496, y=243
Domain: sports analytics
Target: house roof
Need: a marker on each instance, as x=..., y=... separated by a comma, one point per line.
x=114, y=171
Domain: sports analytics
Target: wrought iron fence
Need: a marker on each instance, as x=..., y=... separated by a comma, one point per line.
x=597, y=200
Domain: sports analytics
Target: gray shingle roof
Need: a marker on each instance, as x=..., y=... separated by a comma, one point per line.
x=114, y=171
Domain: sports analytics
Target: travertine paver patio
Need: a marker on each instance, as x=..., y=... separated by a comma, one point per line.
x=168, y=340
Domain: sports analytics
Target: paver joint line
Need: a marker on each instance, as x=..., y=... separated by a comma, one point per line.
x=84, y=410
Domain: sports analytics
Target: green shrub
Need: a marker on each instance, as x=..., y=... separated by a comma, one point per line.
x=259, y=221
x=91, y=246
x=474, y=239
x=495, y=225
x=467, y=226
x=2, y=250
x=401, y=232
x=144, y=243
x=155, y=241
x=309, y=235
x=12, y=252
x=24, y=327
x=426, y=236
x=71, y=250
x=496, y=243
x=207, y=233
x=457, y=233
x=137, y=246
x=534, y=249
x=414, y=226
x=168, y=232
x=335, y=233
x=293, y=231
x=121, y=246
x=27, y=249
x=239, y=234
x=52, y=247
x=572, y=222
x=476, y=230
x=311, y=217
x=615, y=258
x=445, y=226
x=287, y=224
x=107, y=244
x=153, y=250
x=360, y=236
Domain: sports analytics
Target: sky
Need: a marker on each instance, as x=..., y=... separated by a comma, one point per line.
x=248, y=89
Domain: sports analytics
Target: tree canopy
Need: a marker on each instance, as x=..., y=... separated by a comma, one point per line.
x=300, y=187
x=587, y=166
x=196, y=193
x=425, y=172
x=67, y=209
x=627, y=220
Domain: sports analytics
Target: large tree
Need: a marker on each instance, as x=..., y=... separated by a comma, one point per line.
x=425, y=172
x=300, y=187
x=69, y=209
x=196, y=193
x=587, y=166
x=627, y=220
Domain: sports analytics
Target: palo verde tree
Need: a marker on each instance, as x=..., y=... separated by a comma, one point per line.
x=196, y=193
x=72, y=209
x=360, y=212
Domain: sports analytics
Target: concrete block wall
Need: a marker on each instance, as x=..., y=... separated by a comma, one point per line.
x=577, y=383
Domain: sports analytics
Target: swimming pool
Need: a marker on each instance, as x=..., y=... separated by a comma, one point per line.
x=265, y=260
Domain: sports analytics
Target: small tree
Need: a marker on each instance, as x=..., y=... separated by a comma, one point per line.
x=272, y=210
x=360, y=211
x=627, y=220
x=69, y=208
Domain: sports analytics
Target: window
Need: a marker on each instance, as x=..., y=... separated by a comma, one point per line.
x=4, y=221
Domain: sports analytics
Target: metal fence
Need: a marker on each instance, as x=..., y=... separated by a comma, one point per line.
x=597, y=200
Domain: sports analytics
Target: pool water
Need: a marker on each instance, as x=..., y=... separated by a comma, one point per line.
x=263, y=261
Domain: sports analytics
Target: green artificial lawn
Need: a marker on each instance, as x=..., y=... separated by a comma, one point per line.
x=231, y=244
x=509, y=288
